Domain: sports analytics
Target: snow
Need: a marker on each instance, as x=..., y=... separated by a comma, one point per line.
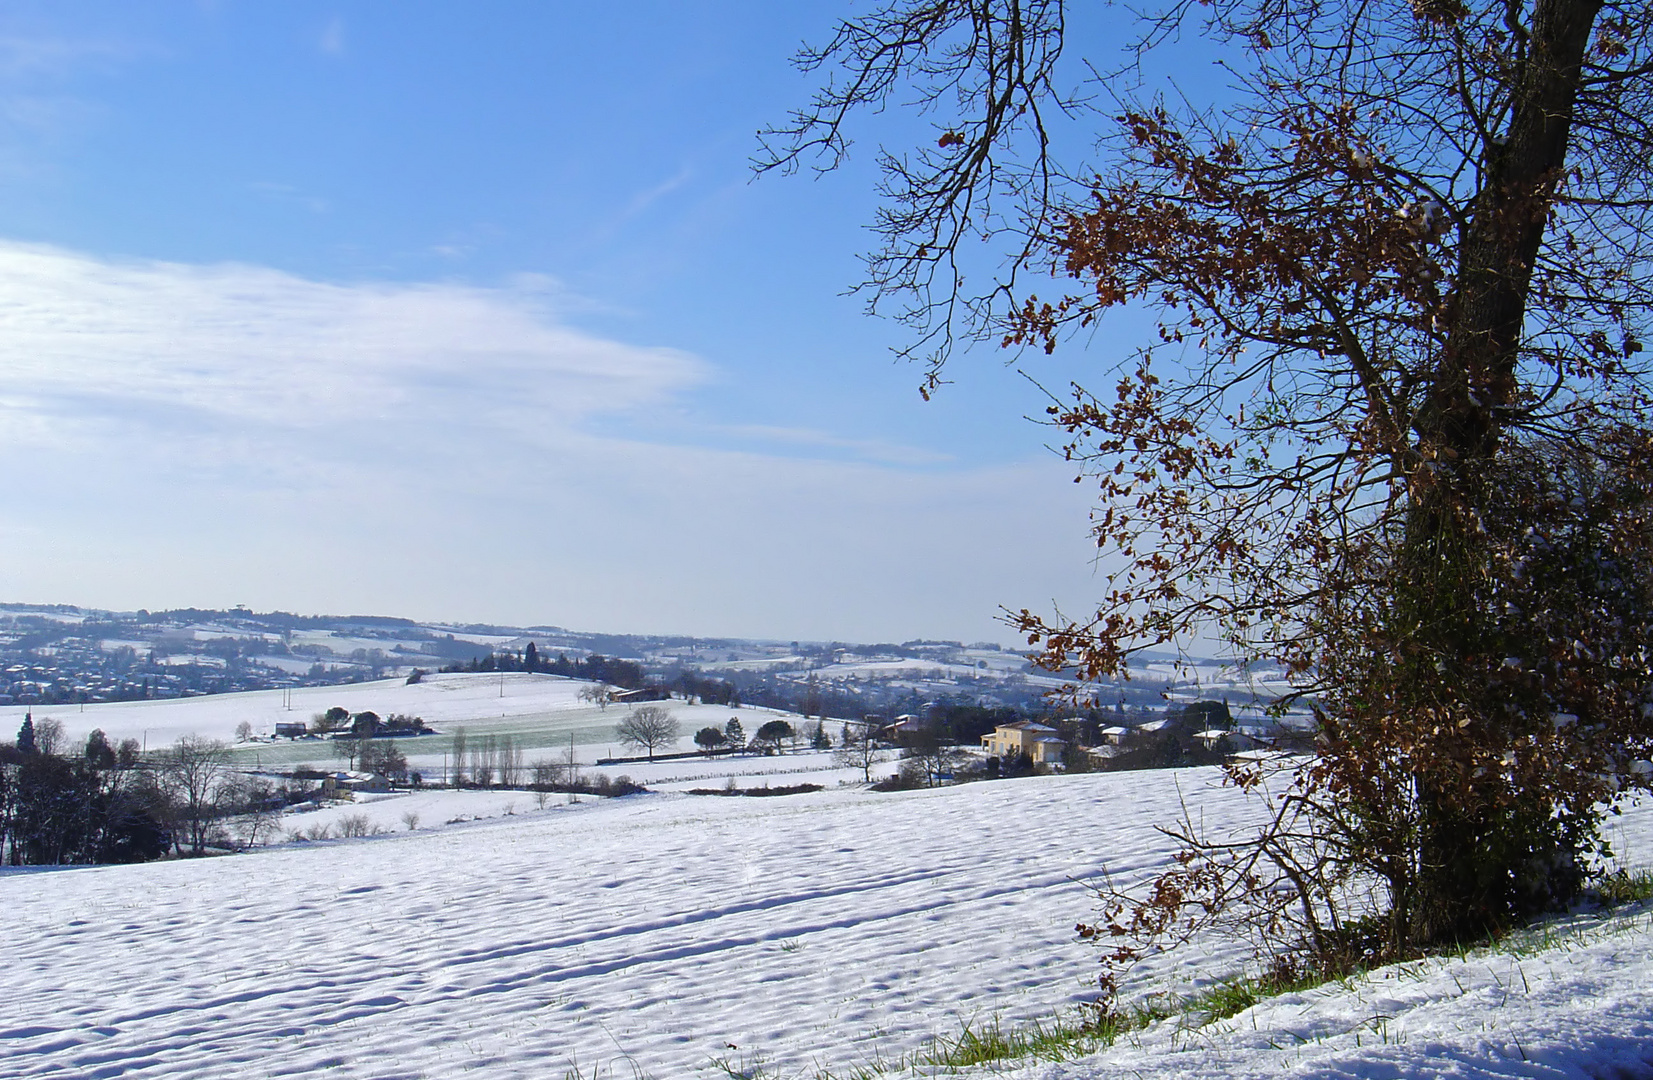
x=440, y=699
x=655, y=934
x=1574, y=1000
x=539, y=712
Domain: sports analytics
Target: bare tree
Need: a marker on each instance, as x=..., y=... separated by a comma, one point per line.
x=510, y=762
x=460, y=738
x=197, y=776
x=348, y=749
x=544, y=773
x=256, y=808
x=48, y=735
x=860, y=750
x=484, y=752
x=648, y=728
x=598, y=694
x=927, y=757
x=384, y=757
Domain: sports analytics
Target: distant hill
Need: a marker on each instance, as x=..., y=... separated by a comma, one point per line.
x=54, y=654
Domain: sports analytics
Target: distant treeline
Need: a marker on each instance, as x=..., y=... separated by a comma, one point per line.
x=625, y=674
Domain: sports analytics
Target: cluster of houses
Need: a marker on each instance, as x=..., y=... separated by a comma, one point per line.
x=1205, y=724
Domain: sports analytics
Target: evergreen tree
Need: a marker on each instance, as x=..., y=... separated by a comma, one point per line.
x=531, y=658
x=734, y=733
x=25, y=736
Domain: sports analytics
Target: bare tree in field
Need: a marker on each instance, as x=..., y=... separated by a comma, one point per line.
x=196, y=774
x=545, y=773
x=648, y=727
x=483, y=754
x=510, y=762
x=861, y=750
x=257, y=811
x=459, y=740
x=598, y=694
x=348, y=750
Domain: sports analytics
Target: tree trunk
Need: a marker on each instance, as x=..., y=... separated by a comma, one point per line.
x=1463, y=887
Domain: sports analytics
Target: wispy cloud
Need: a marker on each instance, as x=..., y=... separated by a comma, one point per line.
x=880, y=450
x=179, y=434
x=331, y=41
x=649, y=196
x=35, y=58
x=99, y=341
x=287, y=193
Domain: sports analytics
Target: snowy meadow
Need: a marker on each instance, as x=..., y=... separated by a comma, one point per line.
x=668, y=935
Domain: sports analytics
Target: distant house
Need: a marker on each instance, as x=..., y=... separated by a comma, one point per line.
x=901, y=725
x=353, y=781
x=291, y=731
x=1212, y=738
x=1113, y=736
x=1038, y=741
x=643, y=693
x=1220, y=739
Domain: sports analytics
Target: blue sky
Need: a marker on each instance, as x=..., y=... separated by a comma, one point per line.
x=473, y=311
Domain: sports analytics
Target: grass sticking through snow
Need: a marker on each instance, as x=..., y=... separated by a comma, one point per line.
x=1621, y=886
x=1068, y=1039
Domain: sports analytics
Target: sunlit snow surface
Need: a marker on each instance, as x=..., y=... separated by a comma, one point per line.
x=655, y=934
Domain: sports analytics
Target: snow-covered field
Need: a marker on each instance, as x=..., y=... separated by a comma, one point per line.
x=541, y=713
x=658, y=934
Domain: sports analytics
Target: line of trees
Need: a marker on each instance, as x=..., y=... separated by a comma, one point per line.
x=487, y=761
x=625, y=674
x=101, y=803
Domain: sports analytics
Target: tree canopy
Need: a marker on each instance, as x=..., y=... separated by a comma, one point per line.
x=1391, y=429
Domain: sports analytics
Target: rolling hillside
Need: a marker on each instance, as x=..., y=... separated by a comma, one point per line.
x=658, y=935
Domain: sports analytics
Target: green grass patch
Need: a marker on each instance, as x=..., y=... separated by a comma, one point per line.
x=1621, y=886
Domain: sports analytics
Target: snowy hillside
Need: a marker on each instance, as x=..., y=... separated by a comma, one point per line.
x=540, y=712
x=654, y=935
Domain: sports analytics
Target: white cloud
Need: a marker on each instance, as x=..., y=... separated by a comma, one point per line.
x=331, y=41
x=229, y=434
x=33, y=57
x=132, y=341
